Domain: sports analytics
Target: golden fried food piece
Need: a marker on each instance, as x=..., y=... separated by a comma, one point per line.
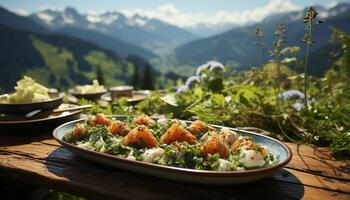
x=228, y=136
x=143, y=120
x=78, y=130
x=240, y=142
x=215, y=144
x=100, y=119
x=119, y=128
x=249, y=144
x=200, y=127
x=142, y=137
x=235, y=145
x=177, y=133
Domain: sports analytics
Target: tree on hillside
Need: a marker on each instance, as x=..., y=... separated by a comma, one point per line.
x=147, y=81
x=99, y=75
x=135, y=79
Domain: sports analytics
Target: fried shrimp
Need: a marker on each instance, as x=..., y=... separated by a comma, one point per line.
x=177, y=133
x=142, y=137
x=119, y=128
x=200, y=127
x=242, y=141
x=100, y=119
x=215, y=144
x=143, y=120
x=78, y=130
x=228, y=136
x=170, y=142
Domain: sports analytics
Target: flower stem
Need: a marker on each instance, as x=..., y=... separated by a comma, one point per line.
x=277, y=92
x=262, y=53
x=306, y=76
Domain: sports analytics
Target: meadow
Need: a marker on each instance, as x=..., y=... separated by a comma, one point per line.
x=278, y=98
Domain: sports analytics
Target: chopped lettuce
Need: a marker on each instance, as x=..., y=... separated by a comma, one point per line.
x=28, y=91
x=90, y=89
x=178, y=154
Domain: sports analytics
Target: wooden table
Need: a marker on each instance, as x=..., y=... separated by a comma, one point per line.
x=38, y=159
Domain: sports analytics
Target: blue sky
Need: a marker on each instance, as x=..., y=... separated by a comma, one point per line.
x=184, y=5
x=184, y=13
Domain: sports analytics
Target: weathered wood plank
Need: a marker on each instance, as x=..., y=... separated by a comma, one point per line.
x=41, y=151
x=311, y=174
x=84, y=176
x=297, y=177
x=317, y=161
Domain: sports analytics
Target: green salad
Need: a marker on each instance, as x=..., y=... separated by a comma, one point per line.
x=28, y=91
x=170, y=142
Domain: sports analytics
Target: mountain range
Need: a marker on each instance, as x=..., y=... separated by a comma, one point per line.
x=148, y=33
x=59, y=60
x=65, y=47
x=236, y=46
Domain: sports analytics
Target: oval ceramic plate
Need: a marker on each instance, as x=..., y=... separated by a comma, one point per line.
x=89, y=96
x=45, y=120
x=137, y=96
x=280, y=150
x=16, y=108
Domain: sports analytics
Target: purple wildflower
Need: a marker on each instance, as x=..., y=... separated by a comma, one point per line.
x=201, y=69
x=192, y=81
x=295, y=95
x=216, y=66
x=291, y=94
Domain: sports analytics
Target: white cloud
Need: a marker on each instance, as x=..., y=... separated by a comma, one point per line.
x=330, y=4
x=96, y=18
x=169, y=13
x=46, y=7
x=45, y=17
x=21, y=12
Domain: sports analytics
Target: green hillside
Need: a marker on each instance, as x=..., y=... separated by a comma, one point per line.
x=106, y=41
x=56, y=61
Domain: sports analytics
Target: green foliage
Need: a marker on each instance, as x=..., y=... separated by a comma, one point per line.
x=57, y=61
x=249, y=99
x=343, y=62
x=258, y=98
x=260, y=43
x=147, y=80
x=341, y=143
x=216, y=109
x=63, y=70
x=56, y=195
x=109, y=68
x=136, y=78
x=120, y=107
x=310, y=21
x=100, y=75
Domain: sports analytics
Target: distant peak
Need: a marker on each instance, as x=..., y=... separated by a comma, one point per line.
x=139, y=16
x=71, y=10
x=105, y=18
x=109, y=13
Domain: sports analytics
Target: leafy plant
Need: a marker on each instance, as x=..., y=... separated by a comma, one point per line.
x=260, y=43
x=277, y=54
x=310, y=21
x=268, y=97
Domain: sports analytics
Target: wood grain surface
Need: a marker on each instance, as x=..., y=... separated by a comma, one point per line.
x=38, y=159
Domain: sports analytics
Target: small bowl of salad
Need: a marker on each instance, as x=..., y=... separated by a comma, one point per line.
x=91, y=92
x=28, y=96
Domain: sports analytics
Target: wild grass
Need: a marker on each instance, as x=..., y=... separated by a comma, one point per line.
x=276, y=96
